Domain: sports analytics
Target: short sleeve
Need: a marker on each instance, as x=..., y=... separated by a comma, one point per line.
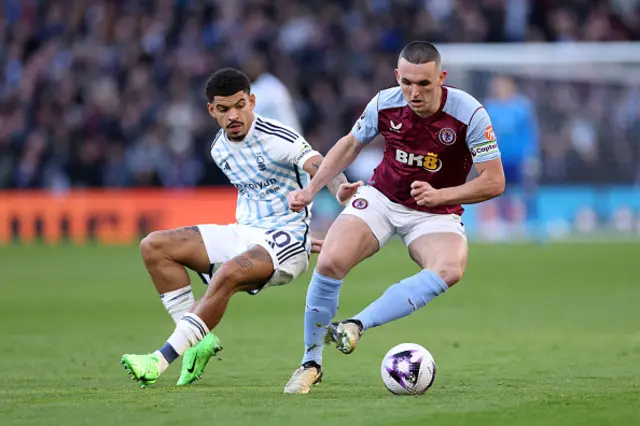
x=481, y=138
x=298, y=152
x=366, y=128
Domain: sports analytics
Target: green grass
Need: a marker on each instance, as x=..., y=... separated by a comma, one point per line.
x=545, y=335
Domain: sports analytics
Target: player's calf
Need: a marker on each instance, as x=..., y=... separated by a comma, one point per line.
x=165, y=255
x=249, y=271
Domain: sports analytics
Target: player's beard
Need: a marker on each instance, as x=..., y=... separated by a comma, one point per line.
x=237, y=137
x=238, y=133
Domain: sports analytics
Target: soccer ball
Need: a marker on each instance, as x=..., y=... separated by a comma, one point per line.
x=408, y=369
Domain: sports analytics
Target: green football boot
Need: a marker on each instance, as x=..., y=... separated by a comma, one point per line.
x=143, y=368
x=195, y=359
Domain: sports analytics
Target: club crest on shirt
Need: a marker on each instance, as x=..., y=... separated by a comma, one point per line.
x=260, y=160
x=360, y=203
x=447, y=136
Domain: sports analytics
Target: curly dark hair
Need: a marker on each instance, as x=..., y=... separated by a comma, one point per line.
x=226, y=82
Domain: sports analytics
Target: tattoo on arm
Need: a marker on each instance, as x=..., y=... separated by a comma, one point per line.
x=192, y=228
x=244, y=262
x=335, y=183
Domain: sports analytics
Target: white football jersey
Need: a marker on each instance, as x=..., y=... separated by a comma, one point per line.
x=265, y=166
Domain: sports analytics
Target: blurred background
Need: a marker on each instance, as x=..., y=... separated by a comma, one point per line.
x=105, y=136
x=104, y=132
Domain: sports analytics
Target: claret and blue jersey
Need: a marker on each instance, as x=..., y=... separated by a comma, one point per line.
x=438, y=149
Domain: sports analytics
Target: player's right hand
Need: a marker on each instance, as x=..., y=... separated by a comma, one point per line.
x=300, y=199
x=425, y=194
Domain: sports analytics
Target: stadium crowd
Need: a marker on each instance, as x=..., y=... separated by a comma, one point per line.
x=110, y=92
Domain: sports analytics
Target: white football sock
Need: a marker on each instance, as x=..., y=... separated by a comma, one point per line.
x=189, y=331
x=178, y=302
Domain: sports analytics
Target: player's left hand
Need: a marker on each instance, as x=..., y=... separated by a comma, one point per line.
x=347, y=190
x=425, y=194
x=316, y=245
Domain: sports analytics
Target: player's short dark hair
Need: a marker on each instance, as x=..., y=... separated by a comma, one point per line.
x=420, y=52
x=227, y=82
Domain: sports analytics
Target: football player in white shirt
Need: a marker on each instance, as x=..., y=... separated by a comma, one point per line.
x=269, y=245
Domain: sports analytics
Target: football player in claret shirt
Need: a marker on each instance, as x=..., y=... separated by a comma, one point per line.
x=433, y=135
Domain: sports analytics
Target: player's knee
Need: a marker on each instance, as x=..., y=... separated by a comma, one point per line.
x=152, y=246
x=450, y=273
x=332, y=266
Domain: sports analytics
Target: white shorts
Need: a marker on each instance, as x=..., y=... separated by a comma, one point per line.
x=224, y=242
x=386, y=218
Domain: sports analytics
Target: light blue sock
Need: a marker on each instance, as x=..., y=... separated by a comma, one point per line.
x=402, y=298
x=322, y=304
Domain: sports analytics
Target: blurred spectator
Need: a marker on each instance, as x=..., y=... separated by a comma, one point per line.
x=516, y=128
x=273, y=99
x=108, y=93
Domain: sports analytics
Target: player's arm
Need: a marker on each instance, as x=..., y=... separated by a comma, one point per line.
x=327, y=171
x=302, y=155
x=486, y=158
x=484, y=149
x=487, y=185
x=313, y=164
x=345, y=151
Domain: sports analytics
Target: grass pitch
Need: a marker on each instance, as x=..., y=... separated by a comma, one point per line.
x=533, y=335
